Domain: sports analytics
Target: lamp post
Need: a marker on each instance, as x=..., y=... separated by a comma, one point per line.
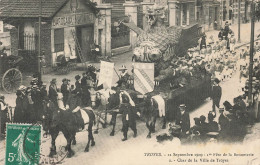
x=39, y=41
x=239, y=15
x=251, y=53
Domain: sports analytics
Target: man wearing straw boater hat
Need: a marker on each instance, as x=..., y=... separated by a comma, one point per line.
x=123, y=77
x=183, y=119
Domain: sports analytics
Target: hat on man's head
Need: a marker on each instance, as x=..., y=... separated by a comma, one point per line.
x=77, y=77
x=35, y=79
x=210, y=115
x=221, y=109
x=22, y=88
x=182, y=106
x=202, y=118
x=217, y=80
x=123, y=67
x=34, y=86
x=63, y=80
x=53, y=80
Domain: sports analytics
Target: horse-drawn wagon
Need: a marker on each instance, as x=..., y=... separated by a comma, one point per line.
x=11, y=76
x=165, y=47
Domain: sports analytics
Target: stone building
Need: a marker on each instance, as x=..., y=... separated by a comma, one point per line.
x=66, y=25
x=230, y=8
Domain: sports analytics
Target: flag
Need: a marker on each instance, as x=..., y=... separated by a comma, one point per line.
x=144, y=77
x=106, y=73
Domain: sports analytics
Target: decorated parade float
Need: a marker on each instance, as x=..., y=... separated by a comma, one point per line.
x=166, y=48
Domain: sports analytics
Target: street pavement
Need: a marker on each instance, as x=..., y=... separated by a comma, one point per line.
x=111, y=150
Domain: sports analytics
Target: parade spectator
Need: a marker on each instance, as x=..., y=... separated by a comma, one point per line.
x=92, y=74
x=74, y=99
x=224, y=124
x=128, y=117
x=257, y=47
x=77, y=84
x=183, y=119
x=3, y=113
x=44, y=92
x=65, y=91
x=242, y=53
x=203, y=41
x=204, y=125
x=19, y=108
x=53, y=92
x=212, y=125
x=37, y=99
x=221, y=33
x=84, y=80
x=216, y=94
x=195, y=131
x=31, y=113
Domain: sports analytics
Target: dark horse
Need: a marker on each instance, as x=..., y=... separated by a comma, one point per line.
x=58, y=120
x=112, y=104
x=151, y=112
x=147, y=107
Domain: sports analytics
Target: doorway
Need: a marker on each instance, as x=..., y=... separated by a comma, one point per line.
x=85, y=36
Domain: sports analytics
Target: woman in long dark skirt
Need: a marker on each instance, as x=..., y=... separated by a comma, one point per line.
x=19, y=112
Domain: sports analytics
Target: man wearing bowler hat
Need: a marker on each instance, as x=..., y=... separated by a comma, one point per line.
x=216, y=94
x=183, y=119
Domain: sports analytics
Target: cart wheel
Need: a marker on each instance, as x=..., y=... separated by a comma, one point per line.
x=11, y=80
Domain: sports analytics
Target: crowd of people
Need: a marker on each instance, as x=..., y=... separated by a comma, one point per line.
x=217, y=59
x=221, y=60
x=29, y=101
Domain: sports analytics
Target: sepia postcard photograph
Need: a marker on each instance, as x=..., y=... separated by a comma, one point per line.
x=130, y=82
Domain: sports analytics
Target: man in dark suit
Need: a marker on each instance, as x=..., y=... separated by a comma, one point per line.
x=216, y=94
x=128, y=116
x=53, y=91
x=183, y=119
x=65, y=91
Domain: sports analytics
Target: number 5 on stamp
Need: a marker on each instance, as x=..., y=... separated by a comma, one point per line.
x=22, y=144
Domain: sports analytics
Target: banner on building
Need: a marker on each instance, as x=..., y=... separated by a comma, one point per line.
x=106, y=73
x=144, y=77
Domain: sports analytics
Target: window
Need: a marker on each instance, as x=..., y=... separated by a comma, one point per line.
x=58, y=40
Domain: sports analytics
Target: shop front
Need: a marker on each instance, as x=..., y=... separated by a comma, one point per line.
x=73, y=32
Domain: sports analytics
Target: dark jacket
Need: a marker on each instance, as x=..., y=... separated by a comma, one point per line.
x=212, y=126
x=53, y=93
x=223, y=122
x=128, y=112
x=216, y=92
x=65, y=92
x=123, y=80
x=83, y=81
x=77, y=87
x=183, y=121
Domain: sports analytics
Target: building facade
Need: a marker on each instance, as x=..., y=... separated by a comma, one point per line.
x=230, y=10
x=66, y=27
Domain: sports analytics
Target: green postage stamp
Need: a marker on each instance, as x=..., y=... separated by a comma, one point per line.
x=23, y=144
